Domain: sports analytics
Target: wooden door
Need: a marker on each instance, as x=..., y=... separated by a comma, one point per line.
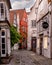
x=33, y=44
x=41, y=43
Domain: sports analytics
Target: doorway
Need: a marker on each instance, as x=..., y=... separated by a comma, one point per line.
x=41, y=43
x=51, y=48
x=33, y=44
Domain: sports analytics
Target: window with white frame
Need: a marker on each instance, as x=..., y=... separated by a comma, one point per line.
x=3, y=43
x=33, y=23
x=15, y=20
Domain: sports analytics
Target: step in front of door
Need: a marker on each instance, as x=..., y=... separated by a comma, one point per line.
x=5, y=60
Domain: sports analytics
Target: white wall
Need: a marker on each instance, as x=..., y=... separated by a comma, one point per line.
x=42, y=9
x=31, y=16
x=8, y=42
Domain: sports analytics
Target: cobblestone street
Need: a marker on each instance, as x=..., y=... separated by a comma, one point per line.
x=23, y=57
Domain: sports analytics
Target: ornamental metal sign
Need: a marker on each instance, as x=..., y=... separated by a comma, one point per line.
x=45, y=25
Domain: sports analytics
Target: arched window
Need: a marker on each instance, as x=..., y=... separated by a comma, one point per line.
x=3, y=33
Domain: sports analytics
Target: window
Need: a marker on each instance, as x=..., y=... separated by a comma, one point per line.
x=45, y=42
x=3, y=46
x=3, y=42
x=33, y=23
x=3, y=33
x=1, y=9
x=38, y=43
x=24, y=18
x=40, y=26
x=23, y=28
x=3, y=51
x=15, y=19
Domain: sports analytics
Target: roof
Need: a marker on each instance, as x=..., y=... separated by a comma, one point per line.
x=9, y=3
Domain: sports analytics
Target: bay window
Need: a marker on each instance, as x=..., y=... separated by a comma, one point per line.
x=3, y=43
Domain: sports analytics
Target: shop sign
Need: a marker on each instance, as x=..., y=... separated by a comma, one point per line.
x=45, y=25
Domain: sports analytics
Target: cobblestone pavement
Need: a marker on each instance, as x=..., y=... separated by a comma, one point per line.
x=23, y=57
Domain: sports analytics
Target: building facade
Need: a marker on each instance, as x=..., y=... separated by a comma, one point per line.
x=19, y=19
x=24, y=29
x=32, y=30
x=44, y=21
x=5, y=48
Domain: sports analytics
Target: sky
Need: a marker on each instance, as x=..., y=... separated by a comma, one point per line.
x=21, y=4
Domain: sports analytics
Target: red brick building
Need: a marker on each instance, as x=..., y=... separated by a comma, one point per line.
x=23, y=29
x=19, y=19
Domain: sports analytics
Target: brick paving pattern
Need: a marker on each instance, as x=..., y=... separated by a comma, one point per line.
x=24, y=57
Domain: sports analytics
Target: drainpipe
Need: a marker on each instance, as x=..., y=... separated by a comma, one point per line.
x=0, y=45
x=50, y=27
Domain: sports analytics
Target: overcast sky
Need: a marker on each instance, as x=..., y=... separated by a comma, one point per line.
x=20, y=4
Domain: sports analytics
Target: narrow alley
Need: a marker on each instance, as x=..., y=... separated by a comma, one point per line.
x=24, y=57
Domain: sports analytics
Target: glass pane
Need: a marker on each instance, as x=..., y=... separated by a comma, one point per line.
x=3, y=51
x=2, y=5
x=3, y=33
x=2, y=9
x=3, y=46
x=3, y=40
